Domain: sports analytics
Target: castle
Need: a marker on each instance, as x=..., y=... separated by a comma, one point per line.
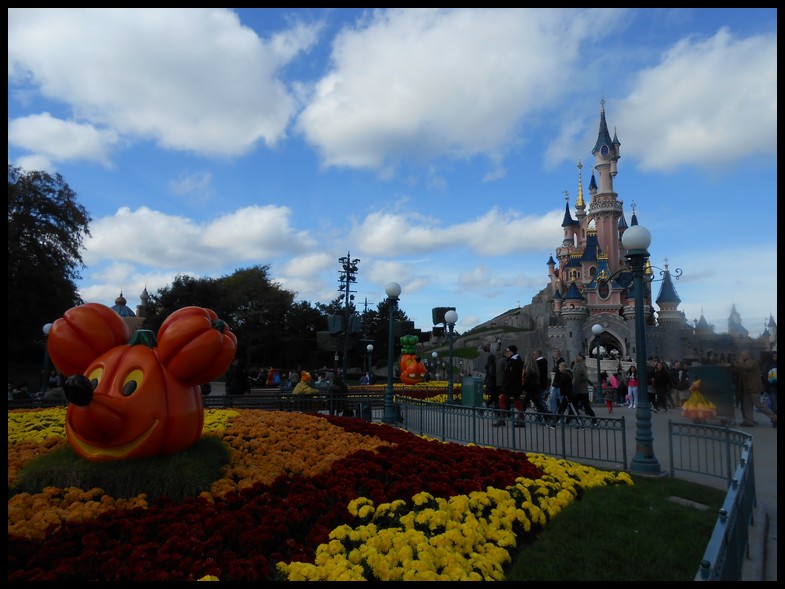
x=590, y=283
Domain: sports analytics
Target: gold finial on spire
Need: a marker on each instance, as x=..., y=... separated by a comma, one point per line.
x=602, y=102
x=566, y=196
x=666, y=264
x=579, y=201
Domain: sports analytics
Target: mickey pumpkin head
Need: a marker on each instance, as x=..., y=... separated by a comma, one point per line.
x=412, y=368
x=133, y=398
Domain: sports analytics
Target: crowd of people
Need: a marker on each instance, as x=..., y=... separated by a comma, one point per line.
x=516, y=383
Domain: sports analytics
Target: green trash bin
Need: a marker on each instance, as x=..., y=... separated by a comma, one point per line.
x=472, y=391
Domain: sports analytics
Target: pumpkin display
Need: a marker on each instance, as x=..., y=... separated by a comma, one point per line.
x=136, y=397
x=413, y=370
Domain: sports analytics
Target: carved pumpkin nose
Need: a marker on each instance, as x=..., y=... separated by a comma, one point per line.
x=78, y=390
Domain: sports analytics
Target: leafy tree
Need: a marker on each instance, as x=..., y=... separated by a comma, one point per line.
x=305, y=320
x=380, y=328
x=271, y=329
x=258, y=310
x=46, y=232
x=185, y=291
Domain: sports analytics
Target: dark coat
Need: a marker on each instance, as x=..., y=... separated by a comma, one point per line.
x=513, y=376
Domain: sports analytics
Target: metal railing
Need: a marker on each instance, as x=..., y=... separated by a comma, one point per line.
x=718, y=451
x=581, y=438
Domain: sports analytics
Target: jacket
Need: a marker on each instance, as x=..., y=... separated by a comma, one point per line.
x=556, y=373
x=749, y=376
x=565, y=384
x=580, y=380
x=513, y=376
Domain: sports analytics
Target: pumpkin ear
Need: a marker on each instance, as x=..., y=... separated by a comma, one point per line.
x=83, y=334
x=196, y=346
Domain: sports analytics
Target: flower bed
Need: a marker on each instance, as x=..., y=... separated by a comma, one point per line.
x=305, y=497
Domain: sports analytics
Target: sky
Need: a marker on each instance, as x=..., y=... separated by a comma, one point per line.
x=436, y=146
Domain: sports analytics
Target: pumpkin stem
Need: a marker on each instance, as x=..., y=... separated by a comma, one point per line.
x=219, y=324
x=143, y=337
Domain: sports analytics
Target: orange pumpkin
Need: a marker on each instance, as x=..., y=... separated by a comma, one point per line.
x=195, y=344
x=125, y=400
x=412, y=369
x=82, y=334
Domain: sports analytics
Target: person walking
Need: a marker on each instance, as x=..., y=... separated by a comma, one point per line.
x=609, y=390
x=566, y=391
x=531, y=387
x=632, y=386
x=748, y=370
x=661, y=382
x=618, y=387
x=543, y=377
x=337, y=390
x=580, y=387
x=555, y=397
x=512, y=381
x=770, y=378
x=682, y=383
x=237, y=382
x=491, y=388
x=501, y=364
x=674, y=373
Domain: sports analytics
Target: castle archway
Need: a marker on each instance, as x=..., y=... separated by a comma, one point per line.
x=610, y=347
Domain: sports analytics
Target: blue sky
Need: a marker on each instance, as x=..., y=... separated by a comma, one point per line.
x=436, y=146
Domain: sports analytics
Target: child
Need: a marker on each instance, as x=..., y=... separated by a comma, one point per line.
x=609, y=390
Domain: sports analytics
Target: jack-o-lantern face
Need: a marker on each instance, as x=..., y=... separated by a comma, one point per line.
x=412, y=369
x=130, y=407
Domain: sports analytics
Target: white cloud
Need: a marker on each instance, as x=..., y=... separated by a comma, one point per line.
x=154, y=239
x=188, y=79
x=61, y=141
x=495, y=233
x=419, y=83
x=709, y=102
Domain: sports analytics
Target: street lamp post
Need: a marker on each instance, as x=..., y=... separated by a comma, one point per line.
x=45, y=367
x=393, y=291
x=636, y=240
x=596, y=329
x=450, y=318
x=435, y=365
x=369, y=348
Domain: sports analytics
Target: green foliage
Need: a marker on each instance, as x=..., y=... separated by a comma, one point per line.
x=177, y=476
x=185, y=291
x=46, y=231
x=258, y=310
x=623, y=533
